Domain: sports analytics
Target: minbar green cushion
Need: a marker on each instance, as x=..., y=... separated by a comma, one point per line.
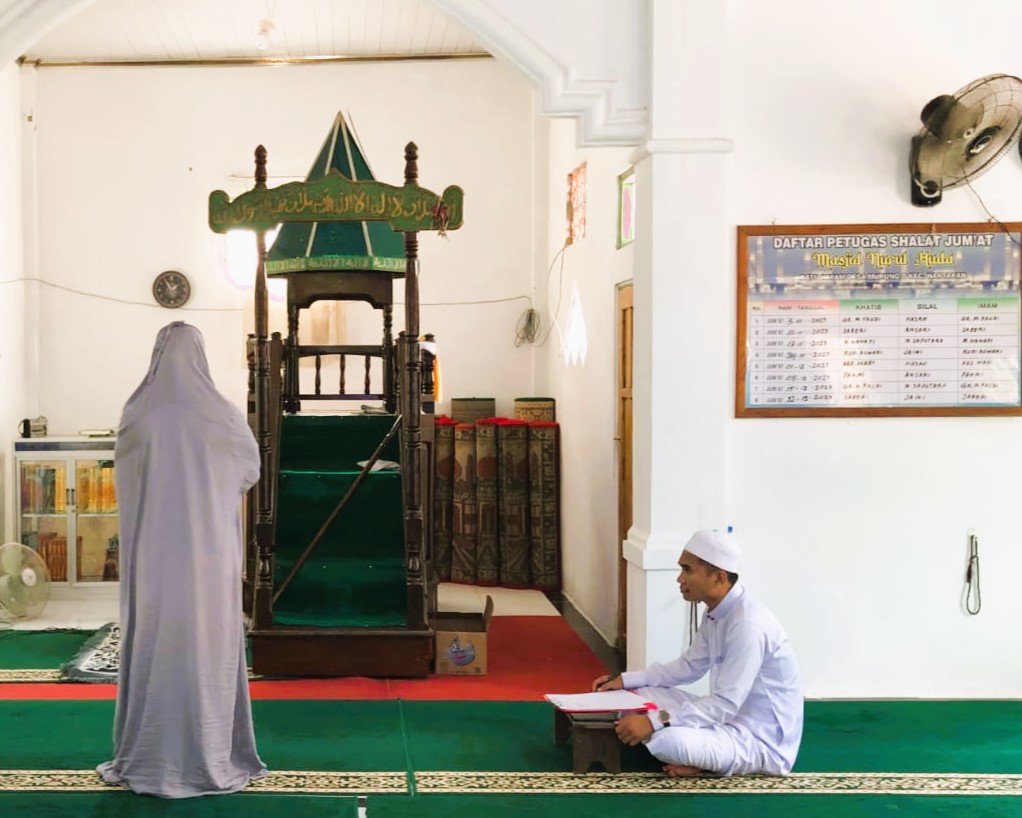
x=334, y=442
x=355, y=576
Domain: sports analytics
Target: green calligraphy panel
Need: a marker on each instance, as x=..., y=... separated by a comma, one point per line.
x=335, y=198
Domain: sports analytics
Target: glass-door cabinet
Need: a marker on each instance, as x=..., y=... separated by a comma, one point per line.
x=67, y=507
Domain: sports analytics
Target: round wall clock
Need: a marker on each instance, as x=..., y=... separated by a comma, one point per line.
x=171, y=289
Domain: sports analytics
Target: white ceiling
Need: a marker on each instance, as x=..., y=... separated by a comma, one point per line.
x=216, y=30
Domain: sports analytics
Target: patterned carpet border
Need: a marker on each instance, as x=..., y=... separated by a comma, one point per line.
x=796, y=783
x=339, y=783
x=28, y=675
x=302, y=782
x=308, y=781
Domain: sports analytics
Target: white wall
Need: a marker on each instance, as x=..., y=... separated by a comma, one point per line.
x=586, y=55
x=127, y=158
x=13, y=404
x=856, y=528
x=586, y=395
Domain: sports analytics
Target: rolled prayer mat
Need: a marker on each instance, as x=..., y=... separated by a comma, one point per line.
x=535, y=410
x=544, y=506
x=514, y=566
x=443, y=497
x=487, y=508
x=463, y=524
x=469, y=410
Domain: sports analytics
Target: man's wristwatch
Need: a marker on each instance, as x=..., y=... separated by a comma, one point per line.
x=665, y=718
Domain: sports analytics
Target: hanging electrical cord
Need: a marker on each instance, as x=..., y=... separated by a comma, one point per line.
x=153, y=304
x=560, y=290
x=973, y=600
x=527, y=328
x=530, y=323
x=992, y=217
x=240, y=309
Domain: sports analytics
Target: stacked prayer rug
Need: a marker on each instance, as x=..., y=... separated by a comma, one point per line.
x=502, y=502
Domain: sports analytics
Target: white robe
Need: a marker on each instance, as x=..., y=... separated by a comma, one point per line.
x=184, y=457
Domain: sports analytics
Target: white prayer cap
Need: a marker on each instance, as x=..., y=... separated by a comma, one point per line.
x=718, y=549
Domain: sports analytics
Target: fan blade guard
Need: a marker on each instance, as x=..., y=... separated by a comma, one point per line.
x=964, y=135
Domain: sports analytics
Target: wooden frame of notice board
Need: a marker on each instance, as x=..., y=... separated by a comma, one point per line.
x=869, y=320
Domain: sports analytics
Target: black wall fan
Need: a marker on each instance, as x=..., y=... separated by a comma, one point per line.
x=963, y=135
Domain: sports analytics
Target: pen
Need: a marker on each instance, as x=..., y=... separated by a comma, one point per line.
x=607, y=681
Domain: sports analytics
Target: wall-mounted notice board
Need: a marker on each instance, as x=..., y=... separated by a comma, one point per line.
x=871, y=320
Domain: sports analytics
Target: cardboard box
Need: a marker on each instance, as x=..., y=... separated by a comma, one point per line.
x=461, y=641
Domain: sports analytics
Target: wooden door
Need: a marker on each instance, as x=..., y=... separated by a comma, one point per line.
x=625, y=313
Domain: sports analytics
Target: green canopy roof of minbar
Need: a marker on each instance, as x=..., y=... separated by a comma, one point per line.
x=325, y=246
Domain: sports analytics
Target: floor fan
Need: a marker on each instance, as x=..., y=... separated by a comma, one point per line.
x=24, y=584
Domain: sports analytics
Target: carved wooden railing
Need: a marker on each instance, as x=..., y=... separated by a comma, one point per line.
x=294, y=352
x=366, y=353
x=274, y=354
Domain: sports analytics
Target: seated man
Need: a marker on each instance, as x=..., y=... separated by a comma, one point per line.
x=751, y=720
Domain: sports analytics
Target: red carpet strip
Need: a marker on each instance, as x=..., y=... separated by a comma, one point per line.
x=528, y=656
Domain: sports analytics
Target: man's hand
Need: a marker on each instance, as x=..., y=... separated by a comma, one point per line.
x=633, y=729
x=612, y=682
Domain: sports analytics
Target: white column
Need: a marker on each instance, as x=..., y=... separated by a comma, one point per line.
x=30, y=242
x=12, y=291
x=684, y=293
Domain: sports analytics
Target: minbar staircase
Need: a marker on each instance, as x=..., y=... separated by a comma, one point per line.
x=338, y=576
x=346, y=611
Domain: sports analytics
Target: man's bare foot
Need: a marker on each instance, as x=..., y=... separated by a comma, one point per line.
x=683, y=770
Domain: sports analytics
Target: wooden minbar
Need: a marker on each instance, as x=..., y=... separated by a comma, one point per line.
x=287, y=650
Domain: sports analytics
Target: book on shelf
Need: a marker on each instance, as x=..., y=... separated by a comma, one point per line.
x=108, y=502
x=48, y=482
x=96, y=492
x=30, y=501
x=83, y=489
x=98, y=489
x=61, y=490
x=42, y=489
x=26, y=490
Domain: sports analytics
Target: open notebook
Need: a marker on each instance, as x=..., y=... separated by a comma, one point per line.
x=607, y=701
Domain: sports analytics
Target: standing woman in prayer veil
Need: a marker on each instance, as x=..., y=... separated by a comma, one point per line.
x=185, y=456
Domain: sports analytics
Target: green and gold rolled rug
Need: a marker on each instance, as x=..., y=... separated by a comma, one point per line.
x=463, y=538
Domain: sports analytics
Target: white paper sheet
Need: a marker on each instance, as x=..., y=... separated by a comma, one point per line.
x=603, y=702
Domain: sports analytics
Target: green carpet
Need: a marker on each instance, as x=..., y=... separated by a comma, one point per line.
x=912, y=736
x=292, y=735
x=330, y=735
x=858, y=755
x=456, y=736
x=959, y=736
x=129, y=805
x=896, y=737
x=39, y=649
